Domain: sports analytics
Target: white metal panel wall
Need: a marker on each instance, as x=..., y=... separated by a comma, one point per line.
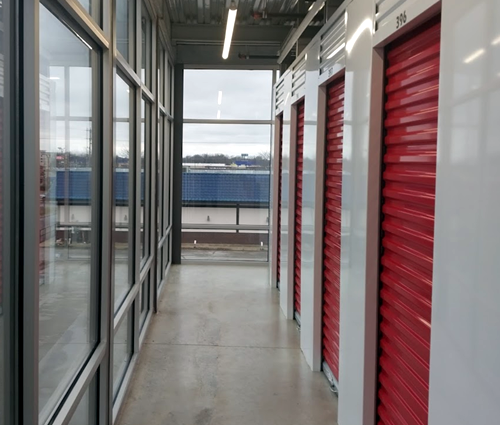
x=299, y=76
x=280, y=96
x=357, y=377
x=286, y=293
x=308, y=295
x=332, y=47
x=465, y=337
x=384, y=11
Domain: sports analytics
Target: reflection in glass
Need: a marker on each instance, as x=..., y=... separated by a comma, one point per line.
x=122, y=352
x=144, y=299
x=159, y=266
x=160, y=178
x=85, y=412
x=146, y=46
x=67, y=329
x=168, y=173
x=3, y=180
x=123, y=255
x=145, y=178
x=227, y=94
x=124, y=29
x=226, y=180
x=162, y=76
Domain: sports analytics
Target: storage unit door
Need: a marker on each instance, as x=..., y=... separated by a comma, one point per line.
x=280, y=182
x=408, y=196
x=298, y=204
x=332, y=225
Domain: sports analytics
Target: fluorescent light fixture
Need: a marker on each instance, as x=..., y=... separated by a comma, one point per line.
x=231, y=20
x=365, y=25
x=474, y=56
x=218, y=114
x=219, y=100
x=496, y=41
x=337, y=50
x=54, y=78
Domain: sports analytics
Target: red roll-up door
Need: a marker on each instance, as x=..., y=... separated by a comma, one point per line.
x=408, y=194
x=298, y=204
x=280, y=182
x=332, y=224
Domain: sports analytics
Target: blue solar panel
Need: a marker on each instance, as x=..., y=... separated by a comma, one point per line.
x=196, y=187
x=225, y=187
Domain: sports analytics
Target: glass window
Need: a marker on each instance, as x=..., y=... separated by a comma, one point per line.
x=169, y=86
x=146, y=28
x=144, y=298
x=67, y=331
x=160, y=169
x=93, y=7
x=3, y=180
x=85, y=413
x=122, y=351
x=159, y=266
x=227, y=94
x=226, y=181
x=145, y=178
x=125, y=18
x=123, y=235
x=162, y=77
x=168, y=173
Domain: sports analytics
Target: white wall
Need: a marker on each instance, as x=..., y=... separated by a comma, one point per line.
x=465, y=341
x=254, y=216
x=356, y=380
x=309, y=209
x=286, y=293
x=465, y=346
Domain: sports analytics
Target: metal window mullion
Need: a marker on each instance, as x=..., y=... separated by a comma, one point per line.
x=155, y=113
x=230, y=121
x=29, y=239
x=127, y=70
x=104, y=384
x=74, y=9
x=136, y=145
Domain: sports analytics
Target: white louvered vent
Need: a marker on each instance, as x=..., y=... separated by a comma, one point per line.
x=299, y=76
x=280, y=95
x=332, y=45
x=384, y=11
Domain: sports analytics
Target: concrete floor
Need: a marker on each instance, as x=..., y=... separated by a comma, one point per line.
x=220, y=352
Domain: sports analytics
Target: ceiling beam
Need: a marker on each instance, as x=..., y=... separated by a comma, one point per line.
x=295, y=34
x=211, y=56
x=243, y=34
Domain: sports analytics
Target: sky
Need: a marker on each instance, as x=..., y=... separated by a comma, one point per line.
x=227, y=94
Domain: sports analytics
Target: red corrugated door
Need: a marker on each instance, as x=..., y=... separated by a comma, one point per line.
x=280, y=182
x=408, y=226
x=332, y=224
x=298, y=203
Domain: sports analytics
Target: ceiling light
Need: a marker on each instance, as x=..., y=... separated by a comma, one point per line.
x=231, y=20
x=219, y=100
x=495, y=41
x=475, y=55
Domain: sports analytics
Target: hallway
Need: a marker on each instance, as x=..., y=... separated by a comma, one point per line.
x=220, y=352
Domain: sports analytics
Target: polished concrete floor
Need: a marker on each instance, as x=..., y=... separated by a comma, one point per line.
x=220, y=352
